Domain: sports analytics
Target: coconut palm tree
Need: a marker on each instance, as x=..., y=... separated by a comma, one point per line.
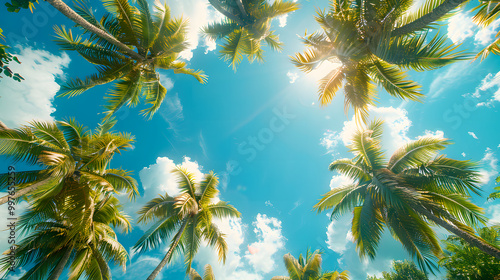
x=5, y=59
x=189, y=215
x=246, y=25
x=151, y=40
x=56, y=242
x=208, y=275
x=358, y=38
x=65, y=155
x=409, y=193
x=308, y=268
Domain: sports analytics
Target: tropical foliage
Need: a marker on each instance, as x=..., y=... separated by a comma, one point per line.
x=208, y=275
x=496, y=193
x=487, y=12
x=309, y=268
x=5, y=59
x=409, y=193
x=66, y=157
x=57, y=240
x=189, y=216
x=402, y=270
x=463, y=261
x=246, y=26
x=157, y=39
x=357, y=38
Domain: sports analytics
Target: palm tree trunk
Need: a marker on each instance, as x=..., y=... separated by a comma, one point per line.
x=60, y=266
x=68, y=12
x=470, y=238
x=227, y=14
x=427, y=19
x=242, y=9
x=24, y=191
x=169, y=253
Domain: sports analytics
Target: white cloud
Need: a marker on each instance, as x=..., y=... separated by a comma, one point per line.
x=339, y=234
x=464, y=155
x=489, y=89
x=490, y=167
x=32, y=98
x=199, y=14
x=494, y=213
x=339, y=181
x=250, y=264
x=472, y=134
x=293, y=76
x=396, y=125
x=270, y=240
x=460, y=27
x=486, y=35
x=428, y=133
x=330, y=140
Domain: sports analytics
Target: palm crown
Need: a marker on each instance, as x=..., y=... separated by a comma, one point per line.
x=357, y=35
x=57, y=240
x=71, y=157
x=189, y=216
x=308, y=268
x=413, y=188
x=247, y=24
x=157, y=38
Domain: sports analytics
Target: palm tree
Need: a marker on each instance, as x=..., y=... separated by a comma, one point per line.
x=190, y=215
x=410, y=193
x=208, y=275
x=358, y=37
x=156, y=37
x=247, y=24
x=67, y=156
x=308, y=268
x=55, y=241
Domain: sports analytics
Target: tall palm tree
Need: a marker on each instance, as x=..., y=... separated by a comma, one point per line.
x=208, y=275
x=409, y=193
x=246, y=25
x=56, y=242
x=5, y=59
x=189, y=215
x=308, y=268
x=67, y=156
x=155, y=39
x=357, y=37
x=487, y=12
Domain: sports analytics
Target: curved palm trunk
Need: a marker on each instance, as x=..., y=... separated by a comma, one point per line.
x=68, y=12
x=427, y=19
x=227, y=14
x=169, y=253
x=60, y=266
x=24, y=191
x=470, y=238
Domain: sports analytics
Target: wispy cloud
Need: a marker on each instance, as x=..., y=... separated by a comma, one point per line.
x=472, y=134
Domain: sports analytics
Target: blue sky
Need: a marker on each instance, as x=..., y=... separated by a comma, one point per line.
x=262, y=131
